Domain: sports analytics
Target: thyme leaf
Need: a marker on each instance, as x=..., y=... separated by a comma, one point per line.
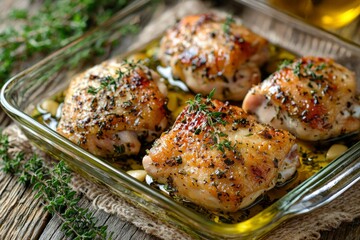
x=52, y=187
x=308, y=70
x=284, y=63
x=110, y=83
x=199, y=105
x=227, y=24
x=297, y=69
x=55, y=24
x=213, y=119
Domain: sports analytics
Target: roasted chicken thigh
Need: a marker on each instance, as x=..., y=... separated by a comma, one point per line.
x=208, y=52
x=217, y=156
x=112, y=107
x=313, y=98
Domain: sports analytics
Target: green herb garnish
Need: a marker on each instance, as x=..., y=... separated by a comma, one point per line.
x=297, y=69
x=213, y=119
x=110, y=83
x=52, y=187
x=57, y=23
x=284, y=63
x=308, y=71
x=93, y=90
x=320, y=67
x=227, y=24
x=225, y=144
x=107, y=82
x=199, y=105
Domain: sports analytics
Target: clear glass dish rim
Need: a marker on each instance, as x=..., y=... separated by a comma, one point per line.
x=264, y=221
x=265, y=7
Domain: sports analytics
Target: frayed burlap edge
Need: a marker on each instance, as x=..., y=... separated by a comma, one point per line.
x=304, y=227
x=102, y=199
x=345, y=208
x=99, y=195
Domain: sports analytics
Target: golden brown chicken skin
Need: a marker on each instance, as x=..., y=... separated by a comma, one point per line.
x=217, y=156
x=112, y=107
x=314, y=98
x=208, y=52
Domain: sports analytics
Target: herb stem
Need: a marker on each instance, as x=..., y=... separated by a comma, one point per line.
x=55, y=24
x=54, y=208
x=52, y=186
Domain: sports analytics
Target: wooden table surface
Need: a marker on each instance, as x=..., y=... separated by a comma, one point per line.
x=23, y=217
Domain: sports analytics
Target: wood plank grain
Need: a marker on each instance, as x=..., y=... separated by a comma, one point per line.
x=346, y=231
x=52, y=230
x=22, y=216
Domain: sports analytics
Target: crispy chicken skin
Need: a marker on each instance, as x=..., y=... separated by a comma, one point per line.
x=110, y=108
x=208, y=52
x=219, y=157
x=313, y=98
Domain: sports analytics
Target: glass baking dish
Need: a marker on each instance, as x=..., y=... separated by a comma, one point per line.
x=21, y=93
x=348, y=32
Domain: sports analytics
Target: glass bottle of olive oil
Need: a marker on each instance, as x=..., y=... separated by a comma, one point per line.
x=330, y=14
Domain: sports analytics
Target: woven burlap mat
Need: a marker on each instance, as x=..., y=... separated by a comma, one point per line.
x=308, y=226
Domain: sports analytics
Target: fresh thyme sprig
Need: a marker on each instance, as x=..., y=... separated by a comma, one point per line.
x=308, y=70
x=57, y=23
x=284, y=63
x=111, y=83
x=199, y=105
x=296, y=69
x=52, y=186
x=227, y=24
x=213, y=118
x=107, y=82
